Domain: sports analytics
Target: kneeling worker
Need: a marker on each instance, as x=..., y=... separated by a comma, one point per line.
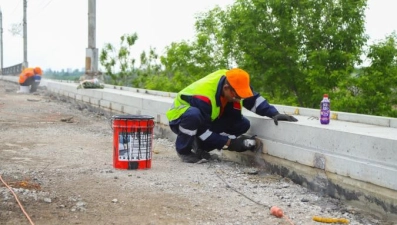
x=206, y=115
x=30, y=77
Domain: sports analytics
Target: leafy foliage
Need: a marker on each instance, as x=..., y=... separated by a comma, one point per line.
x=117, y=62
x=373, y=90
x=149, y=69
x=295, y=51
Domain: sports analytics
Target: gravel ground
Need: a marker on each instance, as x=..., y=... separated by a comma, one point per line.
x=56, y=154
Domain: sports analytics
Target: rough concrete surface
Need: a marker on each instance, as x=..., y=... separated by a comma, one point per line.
x=56, y=155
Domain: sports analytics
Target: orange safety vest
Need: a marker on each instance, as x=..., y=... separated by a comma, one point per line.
x=26, y=73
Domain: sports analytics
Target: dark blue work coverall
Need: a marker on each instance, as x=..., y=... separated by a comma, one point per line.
x=215, y=134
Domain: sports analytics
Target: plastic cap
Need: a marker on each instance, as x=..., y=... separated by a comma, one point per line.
x=325, y=96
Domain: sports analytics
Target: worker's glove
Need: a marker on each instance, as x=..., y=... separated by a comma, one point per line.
x=242, y=144
x=283, y=117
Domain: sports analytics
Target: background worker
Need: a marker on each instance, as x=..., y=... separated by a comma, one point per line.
x=206, y=115
x=31, y=77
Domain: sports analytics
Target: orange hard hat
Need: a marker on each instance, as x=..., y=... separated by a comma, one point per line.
x=37, y=70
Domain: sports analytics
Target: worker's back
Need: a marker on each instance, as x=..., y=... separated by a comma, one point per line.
x=27, y=72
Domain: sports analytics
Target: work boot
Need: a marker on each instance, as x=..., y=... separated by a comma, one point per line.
x=189, y=158
x=205, y=155
x=198, y=150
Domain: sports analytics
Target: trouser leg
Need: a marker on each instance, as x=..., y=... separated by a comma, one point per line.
x=186, y=128
x=227, y=126
x=27, y=82
x=191, y=124
x=35, y=83
x=230, y=126
x=34, y=86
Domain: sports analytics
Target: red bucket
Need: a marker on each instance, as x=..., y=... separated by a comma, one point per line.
x=132, y=141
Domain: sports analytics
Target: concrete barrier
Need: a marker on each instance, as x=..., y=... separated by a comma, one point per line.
x=353, y=158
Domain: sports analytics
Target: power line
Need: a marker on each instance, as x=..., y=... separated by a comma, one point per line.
x=10, y=15
x=47, y=4
x=16, y=7
x=40, y=9
x=41, y=3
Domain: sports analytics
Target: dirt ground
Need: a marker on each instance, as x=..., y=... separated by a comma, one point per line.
x=57, y=157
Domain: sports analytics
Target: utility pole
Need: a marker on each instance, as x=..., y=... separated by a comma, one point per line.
x=1, y=41
x=91, y=60
x=25, y=34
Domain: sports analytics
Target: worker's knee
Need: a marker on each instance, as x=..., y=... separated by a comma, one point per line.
x=244, y=125
x=192, y=118
x=189, y=122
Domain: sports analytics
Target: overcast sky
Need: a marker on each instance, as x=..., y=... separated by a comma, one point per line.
x=58, y=29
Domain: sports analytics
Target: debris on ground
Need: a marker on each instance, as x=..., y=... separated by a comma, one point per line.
x=67, y=120
x=90, y=84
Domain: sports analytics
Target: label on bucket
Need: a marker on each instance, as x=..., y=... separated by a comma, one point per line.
x=134, y=146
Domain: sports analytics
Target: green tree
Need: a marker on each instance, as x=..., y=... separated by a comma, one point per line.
x=149, y=71
x=183, y=64
x=118, y=63
x=296, y=50
x=333, y=46
x=213, y=51
x=372, y=90
x=188, y=61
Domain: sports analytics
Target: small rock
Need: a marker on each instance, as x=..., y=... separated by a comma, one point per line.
x=80, y=204
x=48, y=200
x=115, y=200
x=250, y=171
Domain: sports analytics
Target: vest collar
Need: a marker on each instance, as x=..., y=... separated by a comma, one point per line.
x=219, y=90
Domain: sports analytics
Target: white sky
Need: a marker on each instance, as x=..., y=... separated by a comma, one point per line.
x=58, y=29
